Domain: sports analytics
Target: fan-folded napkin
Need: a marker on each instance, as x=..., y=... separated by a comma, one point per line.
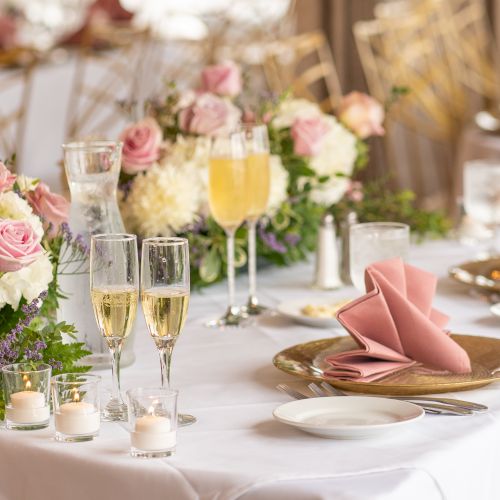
x=395, y=326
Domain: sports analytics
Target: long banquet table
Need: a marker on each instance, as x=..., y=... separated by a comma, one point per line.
x=236, y=449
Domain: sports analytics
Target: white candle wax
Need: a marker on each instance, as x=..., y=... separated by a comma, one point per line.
x=77, y=418
x=27, y=407
x=153, y=433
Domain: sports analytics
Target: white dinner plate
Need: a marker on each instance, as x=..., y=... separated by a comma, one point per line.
x=495, y=309
x=348, y=417
x=293, y=309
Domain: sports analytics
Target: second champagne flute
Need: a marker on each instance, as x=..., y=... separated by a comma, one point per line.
x=228, y=205
x=165, y=298
x=257, y=185
x=114, y=289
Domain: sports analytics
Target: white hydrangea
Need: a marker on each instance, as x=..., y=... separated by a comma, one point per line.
x=278, y=185
x=291, y=109
x=29, y=282
x=12, y=206
x=337, y=155
x=163, y=200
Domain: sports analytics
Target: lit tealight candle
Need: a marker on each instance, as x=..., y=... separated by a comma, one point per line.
x=27, y=407
x=77, y=417
x=153, y=433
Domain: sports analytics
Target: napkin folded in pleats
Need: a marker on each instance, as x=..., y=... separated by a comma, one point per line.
x=396, y=327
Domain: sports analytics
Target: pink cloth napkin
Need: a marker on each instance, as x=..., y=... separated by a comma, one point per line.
x=395, y=326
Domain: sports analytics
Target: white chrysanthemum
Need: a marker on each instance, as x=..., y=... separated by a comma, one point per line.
x=336, y=156
x=278, y=185
x=291, y=109
x=29, y=282
x=162, y=201
x=12, y=206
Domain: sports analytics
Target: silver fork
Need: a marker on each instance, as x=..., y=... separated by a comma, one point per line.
x=467, y=405
x=426, y=405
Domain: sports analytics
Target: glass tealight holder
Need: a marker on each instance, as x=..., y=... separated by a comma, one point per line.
x=76, y=401
x=152, y=417
x=27, y=395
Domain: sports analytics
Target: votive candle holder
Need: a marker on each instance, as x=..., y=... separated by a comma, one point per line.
x=76, y=401
x=27, y=395
x=152, y=417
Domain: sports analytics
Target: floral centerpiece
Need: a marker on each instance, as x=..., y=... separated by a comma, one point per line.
x=313, y=159
x=35, y=245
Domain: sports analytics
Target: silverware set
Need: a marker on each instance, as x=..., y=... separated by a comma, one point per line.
x=431, y=404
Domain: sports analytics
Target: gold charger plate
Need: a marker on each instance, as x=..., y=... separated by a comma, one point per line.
x=484, y=274
x=307, y=361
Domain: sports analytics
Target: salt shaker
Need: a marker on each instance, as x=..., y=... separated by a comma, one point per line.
x=345, y=226
x=326, y=276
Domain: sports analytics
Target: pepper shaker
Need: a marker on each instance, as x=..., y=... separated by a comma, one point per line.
x=326, y=276
x=345, y=226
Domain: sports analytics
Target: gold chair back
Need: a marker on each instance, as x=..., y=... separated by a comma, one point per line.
x=304, y=64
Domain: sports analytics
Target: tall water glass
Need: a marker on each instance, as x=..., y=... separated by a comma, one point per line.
x=482, y=195
x=114, y=289
x=228, y=205
x=257, y=185
x=165, y=298
x=373, y=241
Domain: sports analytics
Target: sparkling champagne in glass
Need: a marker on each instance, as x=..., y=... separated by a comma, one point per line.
x=114, y=287
x=373, y=241
x=257, y=186
x=229, y=206
x=165, y=298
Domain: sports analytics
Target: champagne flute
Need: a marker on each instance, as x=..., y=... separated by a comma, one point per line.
x=165, y=298
x=228, y=205
x=114, y=284
x=257, y=185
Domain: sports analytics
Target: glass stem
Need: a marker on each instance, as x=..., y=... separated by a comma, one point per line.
x=230, y=267
x=252, y=260
x=165, y=359
x=116, y=351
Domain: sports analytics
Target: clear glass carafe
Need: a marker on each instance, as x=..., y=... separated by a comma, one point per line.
x=92, y=169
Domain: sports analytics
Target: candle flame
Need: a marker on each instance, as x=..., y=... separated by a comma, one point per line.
x=25, y=378
x=28, y=385
x=151, y=410
x=76, y=395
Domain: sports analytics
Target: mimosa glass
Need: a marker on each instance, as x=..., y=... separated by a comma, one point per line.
x=114, y=290
x=257, y=188
x=228, y=205
x=165, y=298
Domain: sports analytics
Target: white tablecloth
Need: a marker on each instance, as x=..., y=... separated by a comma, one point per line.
x=236, y=449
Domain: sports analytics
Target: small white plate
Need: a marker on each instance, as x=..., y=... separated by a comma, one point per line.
x=348, y=417
x=293, y=309
x=495, y=309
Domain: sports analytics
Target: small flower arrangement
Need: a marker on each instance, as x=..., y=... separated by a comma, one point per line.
x=35, y=245
x=313, y=158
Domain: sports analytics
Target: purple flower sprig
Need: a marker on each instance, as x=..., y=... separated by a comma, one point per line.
x=271, y=241
x=8, y=351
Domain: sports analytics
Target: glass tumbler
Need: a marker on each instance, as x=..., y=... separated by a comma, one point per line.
x=76, y=401
x=152, y=417
x=27, y=395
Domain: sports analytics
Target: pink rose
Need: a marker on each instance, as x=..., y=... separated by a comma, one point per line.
x=19, y=245
x=308, y=135
x=222, y=79
x=8, y=33
x=141, y=145
x=7, y=178
x=363, y=114
x=52, y=207
x=354, y=191
x=209, y=115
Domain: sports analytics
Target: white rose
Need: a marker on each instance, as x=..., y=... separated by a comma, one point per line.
x=291, y=109
x=278, y=185
x=29, y=282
